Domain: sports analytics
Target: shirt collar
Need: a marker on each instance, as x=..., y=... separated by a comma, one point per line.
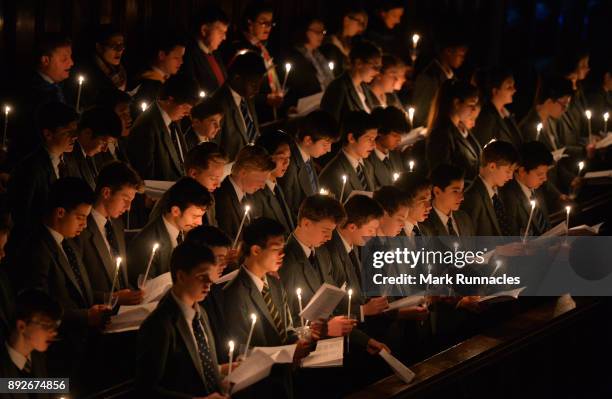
x=307, y=250
x=526, y=190
x=490, y=189
x=188, y=312
x=271, y=185
x=162, y=73
x=239, y=192
x=203, y=47
x=56, y=236
x=447, y=71
x=17, y=358
x=202, y=139
x=46, y=78
x=237, y=97
x=354, y=162
x=443, y=218
x=348, y=247
x=259, y=283
x=408, y=227
x=99, y=219
x=165, y=116
x=381, y=155
x=305, y=156
x=173, y=232
x=504, y=113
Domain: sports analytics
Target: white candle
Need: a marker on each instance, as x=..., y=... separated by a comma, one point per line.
x=539, y=128
x=606, y=116
x=110, y=297
x=81, y=79
x=533, y=205
x=456, y=246
x=588, y=116
x=411, y=166
x=580, y=167
x=7, y=110
x=247, y=208
x=331, y=65
x=254, y=319
x=231, y=358
x=498, y=264
x=396, y=176
x=350, y=295
x=343, y=184
x=567, y=213
x=411, y=116
x=202, y=94
x=144, y=106
x=299, y=295
x=287, y=70
x=149, y=263
x=415, y=40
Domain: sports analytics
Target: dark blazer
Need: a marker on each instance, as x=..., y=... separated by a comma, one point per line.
x=331, y=176
x=302, y=84
x=101, y=266
x=81, y=166
x=267, y=204
x=445, y=144
x=425, y=88
x=151, y=149
x=229, y=211
x=140, y=249
x=233, y=132
x=382, y=175
x=391, y=99
x=479, y=206
x=334, y=54
x=104, y=157
x=197, y=68
x=191, y=139
x=96, y=82
x=296, y=182
x=344, y=271
x=168, y=364
x=340, y=97
x=490, y=125
x=9, y=370
x=434, y=225
x=7, y=303
x=517, y=209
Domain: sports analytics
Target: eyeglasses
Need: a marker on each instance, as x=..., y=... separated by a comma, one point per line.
x=115, y=46
x=318, y=32
x=361, y=22
x=266, y=24
x=564, y=103
x=47, y=325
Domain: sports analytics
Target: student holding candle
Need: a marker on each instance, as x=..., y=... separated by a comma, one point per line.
x=417, y=190
x=386, y=158
x=600, y=101
x=177, y=355
x=116, y=149
x=382, y=90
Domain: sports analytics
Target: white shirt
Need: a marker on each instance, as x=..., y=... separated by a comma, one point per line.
x=46, y=78
x=165, y=75
x=354, y=162
x=188, y=313
x=444, y=219
x=237, y=100
x=381, y=155
x=271, y=185
x=526, y=190
x=490, y=189
x=408, y=227
x=203, y=47
x=55, y=161
x=101, y=222
x=173, y=232
x=307, y=250
x=17, y=358
x=165, y=117
x=448, y=72
x=202, y=139
x=259, y=283
x=362, y=97
x=239, y=192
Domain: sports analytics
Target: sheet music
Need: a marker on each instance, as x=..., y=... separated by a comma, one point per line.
x=156, y=188
x=157, y=287
x=323, y=302
x=558, y=154
x=328, y=353
x=227, y=277
x=129, y=318
x=593, y=229
x=280, y=354
x=599, y=173
x=254, y=369
x=502, y=295
x=413, y=136
x=308, y=104
x=556, y=231
x=412, y=300
x=605, y=142
x=400, y=370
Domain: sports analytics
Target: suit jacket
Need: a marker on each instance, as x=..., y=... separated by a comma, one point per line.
x=168, y=364
x=81, y=166
x=382, y=175
x=101, y=266
x=445, y=144
x=229, y=211
x=267, y=204
x=340, y=97
x=479, y=206
x=7, y=303
x=344, y=271
x=151, y=149
x=105, y=157
x=296, y=182
x=233, y=132
x=197, y=68
x=425, y=88
x=331, y=177
x=140, y=249
x=191, y=139
x=301, y=84
x=490, y=125
x=8, y=369
x=518, y=208
x=435, y=227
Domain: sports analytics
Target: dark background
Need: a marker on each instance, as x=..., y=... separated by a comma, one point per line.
x=522, y=34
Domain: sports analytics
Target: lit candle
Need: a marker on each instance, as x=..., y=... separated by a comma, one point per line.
x=350, y=295
x=606, y=116
x=580, y=167
x=567, y=213
x=254, y=319
x=331, y=65
x=299, y=295
x=247, y=208
x=202, y=94
x=588, y=116
x=323, y=191
x=287, y=70
x=110, y=297
x=81, y=79
x=7, y=110
x=533, y=205
x=411, y=116
x=231, y=358
x=343, y=184
x=144, y=106
x=149, y=263
x=395, y=176
x=415, y=40
x=539, y=128
x=411, y=166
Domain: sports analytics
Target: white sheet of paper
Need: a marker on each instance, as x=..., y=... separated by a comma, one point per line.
x=323, y=302
x=129, y=318
x=309, y=103
x=412, y=300
x=556, y=231
x=605, y=142
x=599, y=173
x=156, y=188
x=593, y=229
x=280, y=354
x=502, y=295
x=328, y=353
x=413, y=136
x=227, y=277
x=400, y=370
x=157, y=287
x=254, y=369
x=558, y=154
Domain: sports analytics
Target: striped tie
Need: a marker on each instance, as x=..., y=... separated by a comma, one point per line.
x=362, y=178
x=278, y=322
x=250, y=131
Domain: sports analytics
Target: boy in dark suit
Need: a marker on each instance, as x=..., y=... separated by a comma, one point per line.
x=115, y=150
x=395, y=204
x=185, y=205
x=249, y=173
x=270, y=201
x=240, y=123
x=176, y=348
x=103, y=240
x=482, y=202
x=531, y=174
x=386, y=160
x=359, y=140
x=316, y=132
x=417, y=189
x=156, y=145
x=206, y=122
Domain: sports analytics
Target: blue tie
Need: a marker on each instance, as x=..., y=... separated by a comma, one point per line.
x=311, y=176
x=248, y=121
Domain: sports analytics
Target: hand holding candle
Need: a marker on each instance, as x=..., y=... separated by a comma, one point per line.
x=248, y=343
x=247, y=208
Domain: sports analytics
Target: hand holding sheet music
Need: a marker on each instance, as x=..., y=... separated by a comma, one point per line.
x=323, y=302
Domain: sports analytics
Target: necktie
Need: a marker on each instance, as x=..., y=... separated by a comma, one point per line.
x=311, y=176
x=210, y=379
x=179, y=238
x=278, y=322
x=312, y=258
x=74, y=265
x=27, y=367
x=416, y=232
x=362, y=178
x=215, y=68
x=501, y=215
x=250, y=131
x=450, y=228
x=174, y=134
x=355, y=261
x=387, y=162
x=283, y=205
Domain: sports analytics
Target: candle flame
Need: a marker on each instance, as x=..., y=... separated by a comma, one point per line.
x=606, y=116
x=533, y=204
x=231, y=345
x=288, y=67
x=580, y=165
x=588, y=114
x=81, y=79
x=119, y=261
x=568, y=209
x=247, y=208
x=323, y=191
x=202, y=94
x=395, y=176
x=456, y=245
x=331, y=66
x=343, y=178
x=7, y=109
x=350, y=292
x=539, y=127
x=415, y=39
x=253, y=317
x=298, y=292
x=144, y=106
x=155, y=246
x=411, y=165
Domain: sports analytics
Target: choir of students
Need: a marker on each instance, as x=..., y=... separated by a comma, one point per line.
x=264, y=202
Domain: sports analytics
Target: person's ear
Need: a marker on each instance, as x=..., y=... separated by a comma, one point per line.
x=175, y=211
x=106, y=192
x=308, y=140
x=351, y=138
x=60, y=212
x=45, y=60
x=255, y=250
x=161, y=55
x=99, y=48
x=436, y=191
x=352, y=227
x=47, y=134
x=20, y=325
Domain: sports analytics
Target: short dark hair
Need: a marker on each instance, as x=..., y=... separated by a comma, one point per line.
x=493, y=78
x=111, y=97
x=499, y=152
x=201, y=155
x=442, y=103
x=187, y=192
x=364, y=50
x=567, y=61
x=253, y=157
x=106, y=31
x=318, y=125
x=68, y=193
x=390, y=5
x=272, y=140
x=390, y=61
x=534, y=154
x=206, y=108
x=209, y=15
x=254, y=9
x=209, y=236
x=102, y=121
x=361, y=209
x=553, y=88
x=53, y=115
x=49, y=43
x=259, y=231
x=320, y=207
x=181, y=88
x=444, y=174
x=165, y=42
x=116, y=175
x=357, y=123
x=302, y=26
x=411, y=184
x=391, y=199
x=246, y=64
x=33, y=302
x=187, y=256
x=390, y=120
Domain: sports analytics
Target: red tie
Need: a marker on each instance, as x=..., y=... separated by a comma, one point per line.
x=214, y=65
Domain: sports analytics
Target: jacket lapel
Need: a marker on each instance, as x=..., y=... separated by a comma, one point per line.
x=185, y=333
x=165, y=132
x=103, y=253
x=275, y=204
x=257, y=299
x=236, y=114
x=488, y=202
